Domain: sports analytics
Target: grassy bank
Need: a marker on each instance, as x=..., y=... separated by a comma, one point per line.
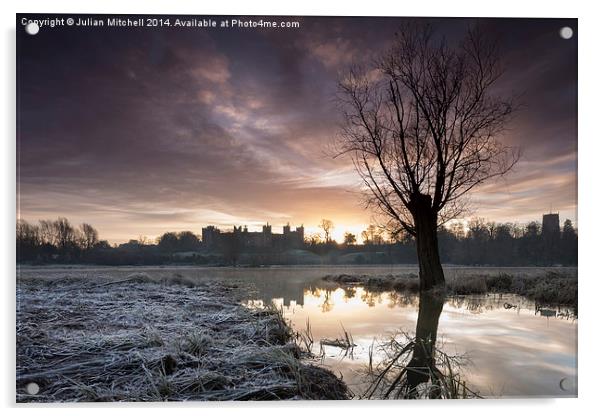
x=554, y=288
x=140, y=339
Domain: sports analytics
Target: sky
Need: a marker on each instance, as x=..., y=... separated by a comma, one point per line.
x=140, y=131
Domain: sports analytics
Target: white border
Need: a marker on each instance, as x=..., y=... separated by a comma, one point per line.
x=590, y=215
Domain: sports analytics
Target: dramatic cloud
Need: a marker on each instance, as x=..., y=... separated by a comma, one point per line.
x=143, y=131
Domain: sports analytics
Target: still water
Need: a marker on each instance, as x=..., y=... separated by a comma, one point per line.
x=511, y=352
x=510, y=346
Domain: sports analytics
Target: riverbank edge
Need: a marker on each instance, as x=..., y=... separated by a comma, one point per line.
x=552, y=288
x=149, y=339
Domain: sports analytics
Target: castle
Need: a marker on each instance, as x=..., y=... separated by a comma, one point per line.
x=213, y=237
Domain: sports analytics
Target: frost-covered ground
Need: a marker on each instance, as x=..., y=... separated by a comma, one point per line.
x=141, y=338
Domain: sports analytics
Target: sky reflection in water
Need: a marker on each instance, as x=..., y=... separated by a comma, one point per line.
x=513, y=352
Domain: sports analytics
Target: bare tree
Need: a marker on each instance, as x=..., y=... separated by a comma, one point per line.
x=313, y=239
x=64, y=233
x=327, y=226
x=421, y=127
x=372, y=235
x=47, y=232
x=89, y=236
x=28, y=240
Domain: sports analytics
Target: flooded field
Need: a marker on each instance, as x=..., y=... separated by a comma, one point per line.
x=511, y=349
x=507, y=345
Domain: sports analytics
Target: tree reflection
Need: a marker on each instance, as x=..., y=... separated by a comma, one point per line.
x=419, y=367
x=371, y=298
x=349, y=292
x=415, y=368
x=401, y=299
x=327, y=305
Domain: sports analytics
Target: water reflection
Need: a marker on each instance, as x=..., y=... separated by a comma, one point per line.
x=503, y=335
x=416, y=367
x=422, y=365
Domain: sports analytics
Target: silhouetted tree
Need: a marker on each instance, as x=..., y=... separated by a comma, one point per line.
x=569, y=243
x=89, y=236
x=457, y=229
x=47, y=232
x=568, y=231
x=372, y=235
x=28, y=240
x=421, y=128
x=349, y=239
x=103, y=245
x=327, y=226
x=531, y=244
x=532, y=230
x=67, y=238
x=131, y=245
x=502, y=246
x=313, y=239
x=168, y=242
x=188, y=241
x=447, y=241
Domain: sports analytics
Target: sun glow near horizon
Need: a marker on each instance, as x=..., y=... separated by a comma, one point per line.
x=338, y=232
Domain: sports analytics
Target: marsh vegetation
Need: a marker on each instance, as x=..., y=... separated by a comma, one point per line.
x=145, y=339
x=551, y=287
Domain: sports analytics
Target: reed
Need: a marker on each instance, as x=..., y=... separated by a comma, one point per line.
x=441, y=372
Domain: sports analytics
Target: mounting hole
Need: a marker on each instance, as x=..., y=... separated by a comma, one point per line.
x=566, y=32
x=567, y=384
x=32, y=28
x=32, y=388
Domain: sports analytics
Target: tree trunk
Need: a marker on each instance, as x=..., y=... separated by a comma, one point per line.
x=427, y=245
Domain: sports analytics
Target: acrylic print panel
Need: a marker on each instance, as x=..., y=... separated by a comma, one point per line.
x=286, y=207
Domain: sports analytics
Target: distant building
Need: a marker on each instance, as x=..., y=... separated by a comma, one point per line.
x=550, y=225
x=212, y=237
x=289, y=238
x=550, y=232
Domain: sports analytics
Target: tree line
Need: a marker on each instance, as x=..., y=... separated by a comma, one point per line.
x=53, y=239
x=508, y=244
x=478, y=243
x=59, y=241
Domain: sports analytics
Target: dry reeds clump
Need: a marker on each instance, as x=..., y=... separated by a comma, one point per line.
x=468, y=285
x=402, y=282
x=140, y=339
x=436, y=375
x=551, y=287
